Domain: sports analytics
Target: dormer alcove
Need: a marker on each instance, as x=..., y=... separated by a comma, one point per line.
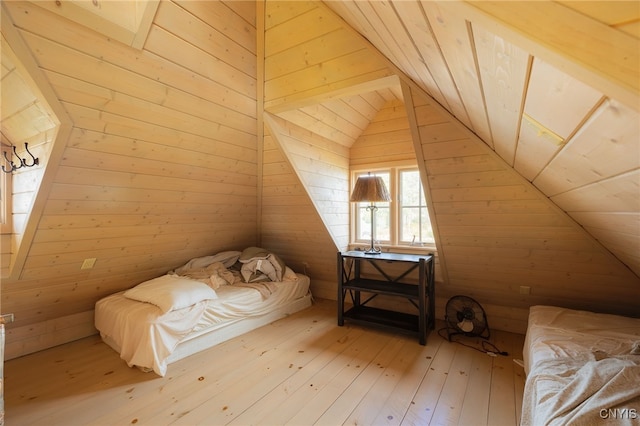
x=27, y=117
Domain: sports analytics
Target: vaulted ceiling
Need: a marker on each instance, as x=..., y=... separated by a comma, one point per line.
x=323, y=118
x=563, y=115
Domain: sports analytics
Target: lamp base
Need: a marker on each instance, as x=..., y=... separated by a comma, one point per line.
x=372, y=250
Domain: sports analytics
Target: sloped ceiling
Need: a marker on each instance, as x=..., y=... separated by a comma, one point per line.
x=19, y=103
x=127, y=22
x=575, y=138
x=325, y=118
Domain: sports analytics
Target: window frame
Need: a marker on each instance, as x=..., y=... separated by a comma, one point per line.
x=355, y=210
x=422, y=203
x=394, y=242
x=6, y=195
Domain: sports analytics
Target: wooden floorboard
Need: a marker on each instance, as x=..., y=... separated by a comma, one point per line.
x=301, y=370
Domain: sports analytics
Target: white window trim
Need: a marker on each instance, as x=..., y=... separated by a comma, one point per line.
x=6, y=196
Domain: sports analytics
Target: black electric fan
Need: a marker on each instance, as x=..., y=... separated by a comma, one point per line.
x=463, y=315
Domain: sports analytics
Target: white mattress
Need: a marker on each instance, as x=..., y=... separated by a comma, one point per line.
x=582, y=368
x=554, y=332
x=146, y=338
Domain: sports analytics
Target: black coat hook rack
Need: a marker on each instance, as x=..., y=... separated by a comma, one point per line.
x=22, y=162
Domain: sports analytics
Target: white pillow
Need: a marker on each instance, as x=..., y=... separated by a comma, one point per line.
x=171, y=292
x=289, y=275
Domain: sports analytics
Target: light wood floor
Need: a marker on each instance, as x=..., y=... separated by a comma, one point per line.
x=300, y=370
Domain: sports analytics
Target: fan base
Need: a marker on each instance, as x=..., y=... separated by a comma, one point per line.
x=453, y=332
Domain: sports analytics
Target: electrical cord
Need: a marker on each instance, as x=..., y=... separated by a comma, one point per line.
x=486, y=346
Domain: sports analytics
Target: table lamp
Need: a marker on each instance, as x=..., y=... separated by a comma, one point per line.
x=370, y=189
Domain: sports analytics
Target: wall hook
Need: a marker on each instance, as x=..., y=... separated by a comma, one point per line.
x=22, y=161
x=13, y=166
x=34, y=161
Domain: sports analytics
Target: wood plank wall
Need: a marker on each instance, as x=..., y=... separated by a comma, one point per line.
x=5, y=253
x=323, y=167
x=291, y=225
x=387, y=139
x=160, y=167
x=498, y=232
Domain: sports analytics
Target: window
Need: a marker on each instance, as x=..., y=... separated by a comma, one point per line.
x=381, y=217
x=5, y=202
x=415, y=227
x=402, y=222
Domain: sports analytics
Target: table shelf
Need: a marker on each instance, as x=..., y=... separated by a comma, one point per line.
x=384, y=318
x=383, y=287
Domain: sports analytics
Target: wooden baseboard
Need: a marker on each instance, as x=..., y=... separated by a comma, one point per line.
x=32, y=338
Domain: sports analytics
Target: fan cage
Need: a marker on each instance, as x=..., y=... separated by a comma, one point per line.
x=462, y=309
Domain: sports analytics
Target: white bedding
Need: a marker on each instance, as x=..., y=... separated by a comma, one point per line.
x=146, y=337
x=578, y=364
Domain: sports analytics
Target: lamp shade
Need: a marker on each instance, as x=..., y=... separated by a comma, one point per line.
x=370, y=188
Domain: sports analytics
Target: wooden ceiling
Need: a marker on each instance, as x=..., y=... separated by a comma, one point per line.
x=565, y=118
x=21, y=104
x=326, y=118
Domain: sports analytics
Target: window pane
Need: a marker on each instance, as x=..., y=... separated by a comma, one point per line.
x=415, y=227
x=5, y=201
x=427, y=231
x=383, y=223
x=363, y=225
x=410, y=188
x=382, y=216
x=410, y=224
